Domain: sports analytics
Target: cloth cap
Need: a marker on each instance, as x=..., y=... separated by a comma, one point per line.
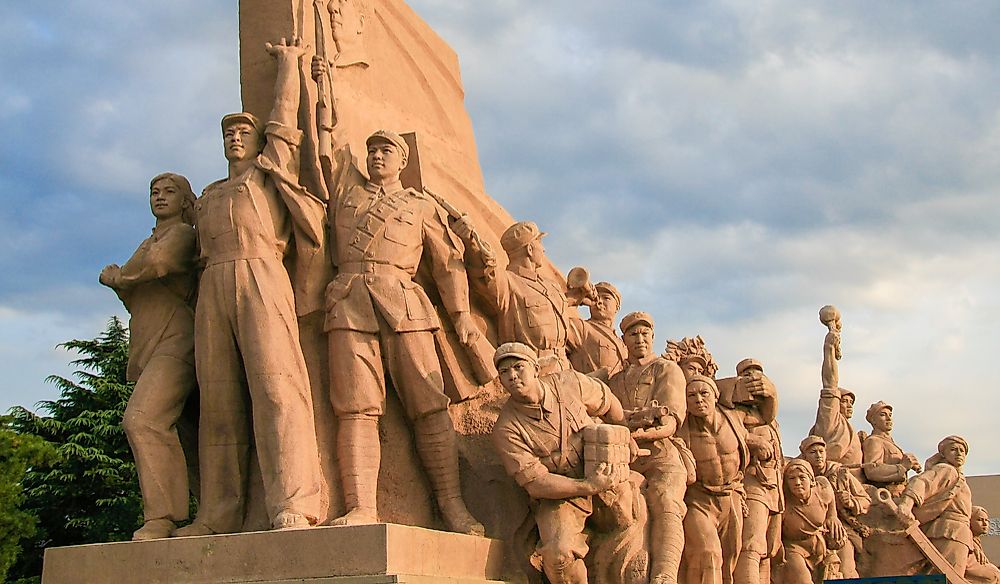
x=948, y=440
x=516, y=350
x=519, y=235
x=633, y=318
x=810, y=441
x=874, y=409
x=706, y=380
x=800, y=463
x=610, y=289
x=844, y=392
x=230, y=119
x=746, y=364
x=390, y=137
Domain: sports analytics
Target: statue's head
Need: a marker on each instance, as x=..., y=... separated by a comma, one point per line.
x=517, y=368
x=610, y=301
x=702, y=395
x=847, y=400
x=799, y=479
x=637, y=332
x=953, y=449
x=388, y=154
x=979, y=521
x=171, y=195
x=879, y=415
x=242, y=136
x=813, y=450
x=524, y=240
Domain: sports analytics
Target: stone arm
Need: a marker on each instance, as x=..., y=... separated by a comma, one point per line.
x=446, y=262
x=599, y=400
x=828, y=415
x=874, y=453
x=831, y=354
x=490, y=282
x=553, y=486
x=173, y=253
x=925, y=485
x=668, y=390
x=852, y=499
x=836, y=534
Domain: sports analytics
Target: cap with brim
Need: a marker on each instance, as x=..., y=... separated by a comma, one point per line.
x=747, y=364
x=810, y=441
x=385, y=136
x=516, y=351
x=844, y=392
x=610, y=289
x=245, y=117
x=633, y=318
x=520, y=235
x=949, y=439
x=874, y=409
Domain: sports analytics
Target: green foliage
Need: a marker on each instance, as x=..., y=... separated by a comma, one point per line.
x=91, y=492
x=19, y=453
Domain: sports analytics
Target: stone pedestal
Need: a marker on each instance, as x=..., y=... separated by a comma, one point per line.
x=368, y=554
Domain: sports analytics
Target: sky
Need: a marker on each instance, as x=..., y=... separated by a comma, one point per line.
x=730, y=166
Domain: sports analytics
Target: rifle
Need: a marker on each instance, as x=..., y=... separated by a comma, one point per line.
x=455, y=214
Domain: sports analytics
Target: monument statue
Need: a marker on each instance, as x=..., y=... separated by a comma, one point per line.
x=852, y=500
x=539, y=436
x=980, y=570
x=157, y=286
x=377, y=313
x=885, y=463
x=761, y=537
x=836, y=404
x=248, y=359
x=600, y=349
x=651, y=390
x=940, y=500
x=810, y=527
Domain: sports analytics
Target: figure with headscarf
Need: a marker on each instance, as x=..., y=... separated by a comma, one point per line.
x=157, y=286
x=810, y=527
x=940, y=499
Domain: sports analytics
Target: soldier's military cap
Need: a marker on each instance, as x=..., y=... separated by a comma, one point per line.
x=810, y=441
x=517, y=351
x=391, y=138
x=747, y=364
x=610, y=289
x=633, y=318
x=874, y=409
x=247, y=117
x=519, y=235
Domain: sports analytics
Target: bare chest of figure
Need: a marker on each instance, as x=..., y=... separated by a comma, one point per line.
x=716, y=454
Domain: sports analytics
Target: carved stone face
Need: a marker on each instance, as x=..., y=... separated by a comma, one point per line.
x=954, y=454
x=847, y=406
x=520, y=379
x=606, y=309
x=700, y=399
x=385, y=161
x=639, y=341
x=980, y=522
x=241, y=141
x=799, y=484
x=883, y=420
x=692, y=367
x=165, y=200
x=815, y=455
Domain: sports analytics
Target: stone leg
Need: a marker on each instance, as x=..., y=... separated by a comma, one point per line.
x=562, y=543
x=703, y=547
x=359, y=455
x=665, y=499
x=416, y=374
x=754, y=543
x=731, y=535
x=150, y=422
x=795, y=570
x=956, y=553
x=848, y=564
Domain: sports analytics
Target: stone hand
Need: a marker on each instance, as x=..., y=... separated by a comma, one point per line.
x=837, y=533
x=904, y=511
x=319, y=67
x=464, y=228
x=602, y=480
x=110, y=275
x=913, y=462
x=760, y=447
x=287, y=50
x=466, y=329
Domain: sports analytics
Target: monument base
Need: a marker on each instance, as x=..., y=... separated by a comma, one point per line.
x=365, y=554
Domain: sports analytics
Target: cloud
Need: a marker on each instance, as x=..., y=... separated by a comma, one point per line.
x=731, y=166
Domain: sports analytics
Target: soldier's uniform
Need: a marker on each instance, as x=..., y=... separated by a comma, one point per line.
x=247, y=336
x=376, y=313
x=885, y=463
x=531, y=309
x=804, y=528
x=157, y=287
x=637, y=386
x=599, y=348
x=533, y=440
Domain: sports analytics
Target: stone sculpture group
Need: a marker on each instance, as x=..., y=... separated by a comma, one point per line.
x=617, y=462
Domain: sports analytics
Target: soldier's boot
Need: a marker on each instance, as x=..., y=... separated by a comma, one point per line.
x=435, y=437
x=359, y=456
x=665, y=557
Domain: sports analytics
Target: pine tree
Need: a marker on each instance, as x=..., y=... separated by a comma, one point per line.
x=91, y=493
